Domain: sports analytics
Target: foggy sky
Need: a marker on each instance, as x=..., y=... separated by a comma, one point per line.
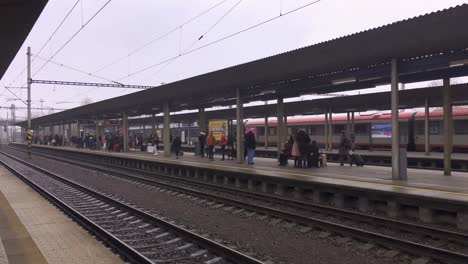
x=125, y=25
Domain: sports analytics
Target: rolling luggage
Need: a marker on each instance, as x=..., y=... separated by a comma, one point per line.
x=116, y=147
x=357, y=159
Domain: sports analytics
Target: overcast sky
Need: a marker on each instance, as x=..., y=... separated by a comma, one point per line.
x=124, y=25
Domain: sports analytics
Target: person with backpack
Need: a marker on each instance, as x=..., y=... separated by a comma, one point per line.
x=155, y=144
x=202, y=141
x=223, y=142
x=177, y=146
x=210, y=142
x=343, y=149
x=250, y=144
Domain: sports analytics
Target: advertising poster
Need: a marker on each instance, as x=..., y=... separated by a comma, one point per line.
x=218, y=127
x=382, y=130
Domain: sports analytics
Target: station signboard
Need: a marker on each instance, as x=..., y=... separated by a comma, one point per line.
x=381, y=130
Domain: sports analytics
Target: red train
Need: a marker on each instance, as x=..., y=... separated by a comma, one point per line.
x=371, y=129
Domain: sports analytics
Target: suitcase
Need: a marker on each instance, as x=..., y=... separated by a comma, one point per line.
x=116, y=147
x=324, y=160
x=357, y=159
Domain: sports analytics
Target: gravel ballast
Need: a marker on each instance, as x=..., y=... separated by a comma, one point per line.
x=264, y=237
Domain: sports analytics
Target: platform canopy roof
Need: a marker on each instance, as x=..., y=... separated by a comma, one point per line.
x=17, y=17
x=412, y=98
x=428, y=47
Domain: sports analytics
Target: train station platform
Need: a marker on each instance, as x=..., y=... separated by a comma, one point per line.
x=32, y=231
x=377, y=157
x=426, y=194
x=432, y=181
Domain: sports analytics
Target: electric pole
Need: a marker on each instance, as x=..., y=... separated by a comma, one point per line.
x=29, y=135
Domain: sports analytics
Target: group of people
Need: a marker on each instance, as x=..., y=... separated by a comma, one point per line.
x=306, y=154
x=207, y=144
x=304, y=151
x=50, y=140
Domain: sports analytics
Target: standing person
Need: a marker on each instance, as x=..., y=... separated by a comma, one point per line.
x=343, y=149
x=251, y=144
x=295, y=153
x=315, y=154
x=353, y=142
x=223, y=143
x=155, y=144
x=177, y=145
x=230, y=146
x=201, y=141
x=210, y=142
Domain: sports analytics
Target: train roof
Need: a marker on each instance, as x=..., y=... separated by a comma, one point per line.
x=358, y=117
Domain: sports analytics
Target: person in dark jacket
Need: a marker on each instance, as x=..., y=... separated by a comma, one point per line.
x=251, y=144
x=230, y=146
x=314, y=154
x=343, y=149
x=286, y=152
x=303, y=141
x=202, y=141
x=177, y=145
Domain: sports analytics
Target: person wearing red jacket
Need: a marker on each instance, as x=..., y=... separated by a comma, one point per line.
x=223, y=143
x=210, y=142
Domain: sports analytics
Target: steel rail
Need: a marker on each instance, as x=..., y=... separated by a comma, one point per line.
x=357, y=216
x=403, y=245
x=216, y=248
x=121, y=247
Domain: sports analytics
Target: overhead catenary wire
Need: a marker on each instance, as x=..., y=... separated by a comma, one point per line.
x=136, y=50
x=72, y=37
x=199, y=38
x=221, y=39
x=75, y=69
x=159, y=37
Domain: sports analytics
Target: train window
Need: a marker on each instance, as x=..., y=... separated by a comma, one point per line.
x=361, y=129
x=272, y=131
x=337, y=129
x=260, y=131
x=434, y=127
x=292, y=130
x=460, y=127
x=317, y=130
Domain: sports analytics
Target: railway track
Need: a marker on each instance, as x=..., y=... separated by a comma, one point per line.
x=413, y=238
x=136, y=235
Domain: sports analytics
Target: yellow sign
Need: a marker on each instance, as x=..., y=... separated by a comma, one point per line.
x=218, y=127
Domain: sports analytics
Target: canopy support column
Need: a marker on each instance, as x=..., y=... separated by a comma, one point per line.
x=166, y=130
x=395, y=123
x=330, y=128
x=266, y=131
x=280, y=120
x=326, y=130
x=239, y=127
x=448, y=127
x=125, y=132
x=426, y=127
x=348, y=124
x=153, y=123
x=98, y=144
x=202, y=121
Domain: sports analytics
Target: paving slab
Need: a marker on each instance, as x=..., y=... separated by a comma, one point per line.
x=45, y=235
